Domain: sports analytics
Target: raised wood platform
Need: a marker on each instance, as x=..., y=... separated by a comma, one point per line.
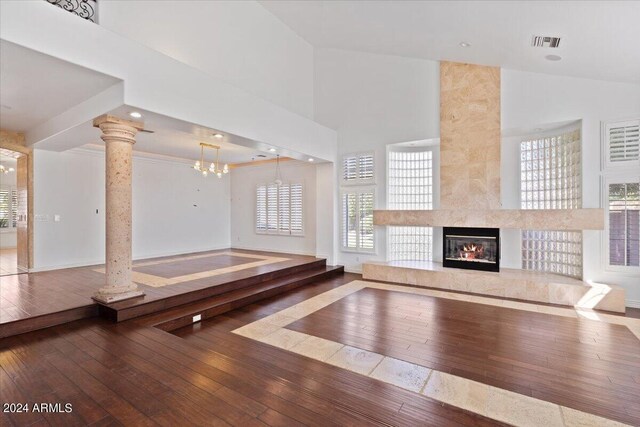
x=508, y=283
x=39, y=300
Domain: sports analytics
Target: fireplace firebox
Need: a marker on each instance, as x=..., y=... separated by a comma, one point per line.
x=471, y=248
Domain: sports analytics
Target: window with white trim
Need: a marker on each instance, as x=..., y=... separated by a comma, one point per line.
x=621, y=185
x=358, y=169
x=357, y=220
x=410, y=184
x=8, y=207
x=279, y=209
x=550, y=178
x=622, y=142
x=623, y=205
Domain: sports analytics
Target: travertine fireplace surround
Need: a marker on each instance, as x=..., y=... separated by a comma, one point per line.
x=470, y=197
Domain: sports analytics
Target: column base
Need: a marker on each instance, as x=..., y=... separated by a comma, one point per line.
x=111, y=298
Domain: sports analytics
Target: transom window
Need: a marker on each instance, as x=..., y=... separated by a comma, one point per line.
x=358, y=168
x=550, y=178
x=279, y=209
x=410, y=183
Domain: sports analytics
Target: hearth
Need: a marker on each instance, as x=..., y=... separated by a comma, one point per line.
x=471, y=248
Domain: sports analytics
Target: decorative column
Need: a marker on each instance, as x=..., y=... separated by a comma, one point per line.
x=119, y=137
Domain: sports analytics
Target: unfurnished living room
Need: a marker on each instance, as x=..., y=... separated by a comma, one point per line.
x=320, y=213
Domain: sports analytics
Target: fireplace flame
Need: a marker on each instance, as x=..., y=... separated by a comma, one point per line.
x=470, y=248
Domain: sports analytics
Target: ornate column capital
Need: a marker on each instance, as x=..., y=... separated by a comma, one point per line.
x=116, y=129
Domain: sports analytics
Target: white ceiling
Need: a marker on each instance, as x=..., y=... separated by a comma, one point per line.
x=171, y=137
x=35, y=87
x=600, y=39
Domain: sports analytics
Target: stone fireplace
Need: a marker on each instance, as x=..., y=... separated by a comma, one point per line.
x=471, y=248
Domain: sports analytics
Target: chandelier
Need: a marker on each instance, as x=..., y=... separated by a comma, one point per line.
x=4, y=170
x=215, y=167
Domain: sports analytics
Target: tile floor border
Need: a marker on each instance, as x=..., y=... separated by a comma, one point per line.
x=489, y=401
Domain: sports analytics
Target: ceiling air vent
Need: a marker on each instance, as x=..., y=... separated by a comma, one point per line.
x=545, y=41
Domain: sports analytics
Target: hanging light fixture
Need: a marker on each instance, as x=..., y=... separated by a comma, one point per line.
x=214, y=168
x=278, y=180
x=5, y=170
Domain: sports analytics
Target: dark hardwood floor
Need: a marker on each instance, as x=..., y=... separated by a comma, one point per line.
x=54, y=297
x=590, y=366
x=129, y=374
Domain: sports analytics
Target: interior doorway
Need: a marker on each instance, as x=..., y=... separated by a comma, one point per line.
x=14, y=253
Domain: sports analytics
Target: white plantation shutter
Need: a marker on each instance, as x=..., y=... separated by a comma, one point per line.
x=350, y=168
x=272, y=208
x=623, y=141
x=261, y=209
x=279, y=209
x=365, y=215
x=357, y=220
x=365, y=167
x=5, y=208
x=358, y=169
x=296, y=209
x=14, y=208
x=283, y=209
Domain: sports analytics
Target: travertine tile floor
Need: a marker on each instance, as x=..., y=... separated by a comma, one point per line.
x=493, y=402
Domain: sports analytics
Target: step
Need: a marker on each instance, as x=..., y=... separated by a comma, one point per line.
x=181, y=316
x=125, y=310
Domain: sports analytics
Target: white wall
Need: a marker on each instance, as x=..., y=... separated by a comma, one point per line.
x=174, y=209
x=375, y=100
x=237, y=41
x=243, y=191
x=156, y=82
x=530, y=99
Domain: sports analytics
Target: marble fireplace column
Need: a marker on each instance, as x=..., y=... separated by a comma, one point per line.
x=119, y=137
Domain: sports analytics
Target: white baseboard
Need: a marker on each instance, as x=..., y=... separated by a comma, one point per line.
x=633, y=303
x=354, y=270
x=263, y=249
x=98, y=262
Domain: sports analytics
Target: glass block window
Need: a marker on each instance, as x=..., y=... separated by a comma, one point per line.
x=557, y=252
x=550, y=172
x=410, y=184
x=624, y=224
x=550, y=178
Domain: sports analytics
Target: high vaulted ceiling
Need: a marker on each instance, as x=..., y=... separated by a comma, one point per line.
x=599, y=39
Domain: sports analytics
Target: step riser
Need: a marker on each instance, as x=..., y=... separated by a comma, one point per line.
x=187, y=298
x=187, y=320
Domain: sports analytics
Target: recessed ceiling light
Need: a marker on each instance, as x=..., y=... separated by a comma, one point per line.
x=311, y=159
x=135, y=114
x=465, y=44
x=218, y=135
x=553, y=57
x=273, y=150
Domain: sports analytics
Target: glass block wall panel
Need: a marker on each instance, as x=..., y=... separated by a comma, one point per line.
x=551, y=178
x=557, y=252
x=410, y=183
